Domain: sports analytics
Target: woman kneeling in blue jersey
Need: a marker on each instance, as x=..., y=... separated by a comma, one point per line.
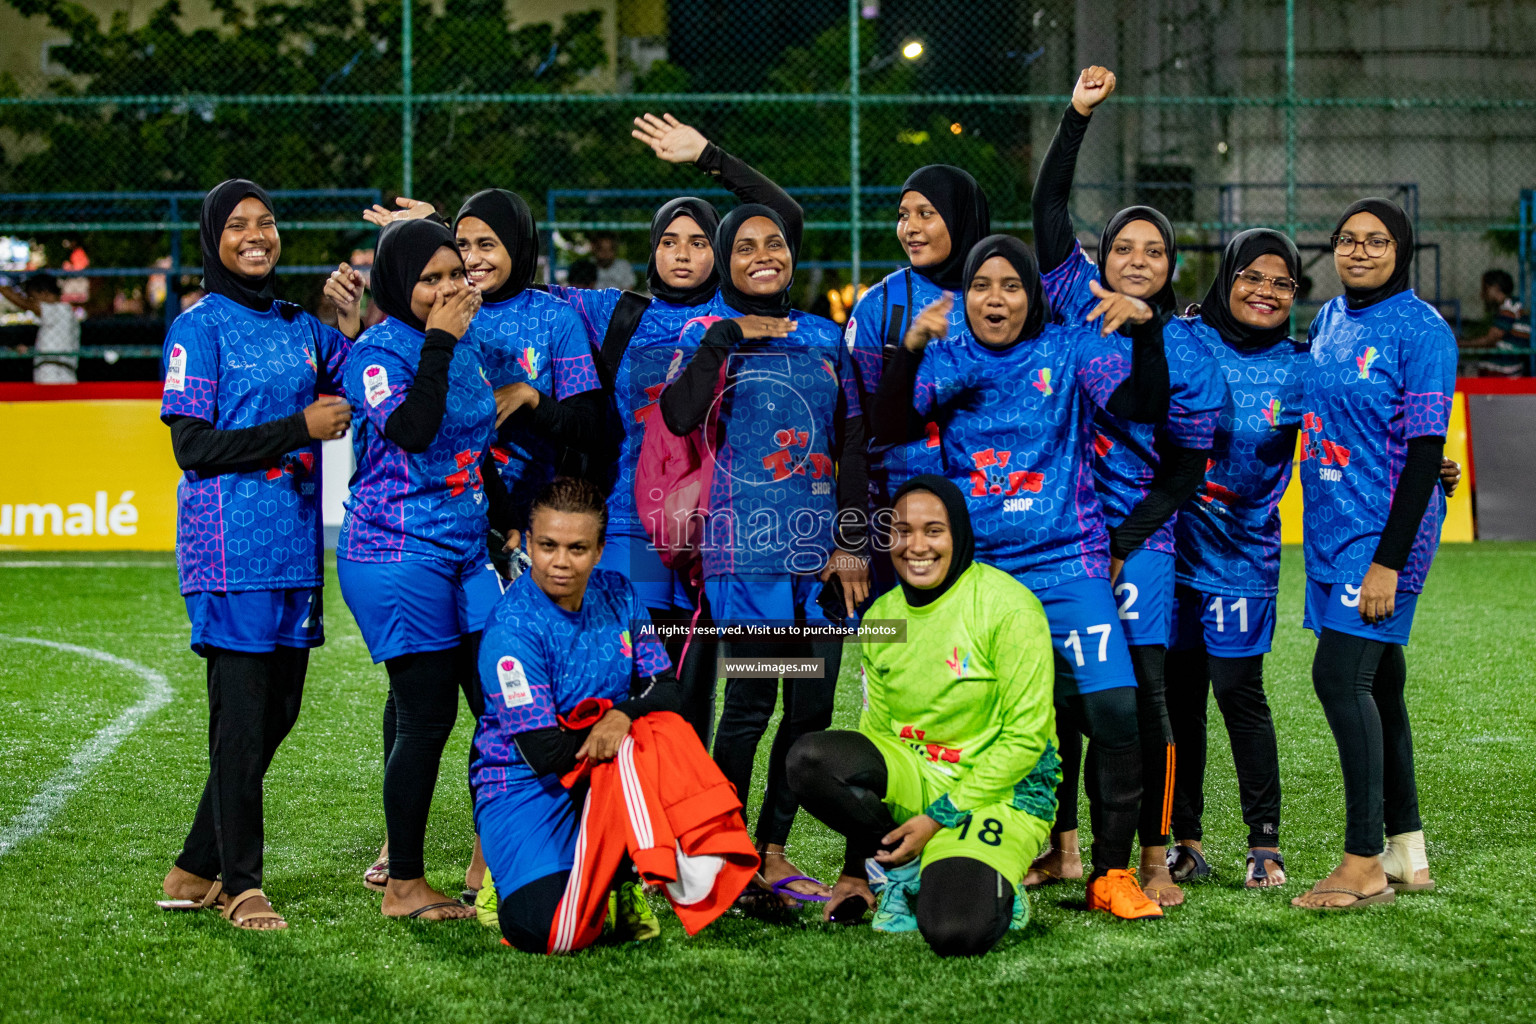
x=1378, y=405
x=562, y=633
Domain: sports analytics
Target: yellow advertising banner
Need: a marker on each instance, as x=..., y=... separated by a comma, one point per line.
x=86, y=476
x=1458, y=513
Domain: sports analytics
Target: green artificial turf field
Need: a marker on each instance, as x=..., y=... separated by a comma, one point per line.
x=81, y=939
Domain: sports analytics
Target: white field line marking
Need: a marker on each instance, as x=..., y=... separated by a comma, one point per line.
x=85, y=565
x=35, y=816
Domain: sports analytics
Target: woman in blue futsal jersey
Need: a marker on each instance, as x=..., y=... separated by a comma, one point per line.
x=563, y=632
x=1013, y=394
x=1378, y=405
x=1143, y=473
x=941, y=214
x=790, y=463
x=416, y=522
x=643, y=348
x=250, y=392
x=1227, y=542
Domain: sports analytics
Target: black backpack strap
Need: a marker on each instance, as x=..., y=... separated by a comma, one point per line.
x=896, y=319
x=621, y=327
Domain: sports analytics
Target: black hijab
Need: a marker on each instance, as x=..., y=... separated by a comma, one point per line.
x=1023, y=260
x=725, y=241
x=1165, y=303
x=1216, y=308
x=963, y=205
x=1401, y=230
x=509, y=217
x=964, y=552
x=709, y=222
x=251, y=292
x=405, y=248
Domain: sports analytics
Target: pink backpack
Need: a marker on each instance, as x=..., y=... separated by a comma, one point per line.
x=672, y=480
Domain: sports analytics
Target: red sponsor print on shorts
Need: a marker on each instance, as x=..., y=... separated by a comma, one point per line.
x=992, y=476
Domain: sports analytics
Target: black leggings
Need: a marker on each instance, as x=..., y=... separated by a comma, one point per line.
x=1360, y=683
x=748, y=707
x=1239, y=686
x=696, y=673
x=1109, y=719
x=964, y=907
x=253, y=702
x=419, y=716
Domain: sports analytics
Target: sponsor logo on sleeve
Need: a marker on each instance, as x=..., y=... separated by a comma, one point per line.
x=375, y=384
x=851, y=333
x=176, y=369
x=514, y=683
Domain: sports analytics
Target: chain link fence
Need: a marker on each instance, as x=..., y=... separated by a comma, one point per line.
x=1227, y=115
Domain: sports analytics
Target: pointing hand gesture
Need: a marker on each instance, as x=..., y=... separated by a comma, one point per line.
x=932, y=322
x=1116, y=309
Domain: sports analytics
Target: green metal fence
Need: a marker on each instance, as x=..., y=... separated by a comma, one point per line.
x=1227, y=114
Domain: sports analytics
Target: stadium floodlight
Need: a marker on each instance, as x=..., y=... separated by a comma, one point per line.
x=912, y=49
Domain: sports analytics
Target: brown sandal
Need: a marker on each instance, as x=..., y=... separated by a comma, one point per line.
x=1361, y=899
x=232, y=906
x=209, y=899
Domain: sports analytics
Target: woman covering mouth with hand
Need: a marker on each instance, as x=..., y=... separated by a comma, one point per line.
x=789, y=466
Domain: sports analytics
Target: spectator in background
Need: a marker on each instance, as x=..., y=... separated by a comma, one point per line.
x=55, y=351
x=582, y=274
x=612, y=271
x=1509, y=328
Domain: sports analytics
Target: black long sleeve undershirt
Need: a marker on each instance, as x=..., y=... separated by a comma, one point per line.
x=752, y=186
x=852, y=481
x=1143, y=396
x=1053, y=190
x=553, y=750
x=500, y=511
x=202, y=448
x=1178, y=476
x=415, y=422
x=686, y=401
x=577, y=421
x=1421, y=472
x=893, y=421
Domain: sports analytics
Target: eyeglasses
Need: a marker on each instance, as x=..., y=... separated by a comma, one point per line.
x=1374, y=247
x=1255, y=280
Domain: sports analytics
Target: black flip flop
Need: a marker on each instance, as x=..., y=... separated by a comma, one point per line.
x=1185, y=862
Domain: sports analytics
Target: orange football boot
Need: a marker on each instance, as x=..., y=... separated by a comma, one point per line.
x=1118, y=893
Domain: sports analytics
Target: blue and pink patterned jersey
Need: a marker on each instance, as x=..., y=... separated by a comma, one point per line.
x=1380, y=376
x=1127, y=451
x=656, y=354
x=1227, y=537
x=907, y=293
x=257, y=529
x=773, y=496
x=532, y=338
x=405, y=505
x=1017, y=430
x=538, y=660
x=1066, y=288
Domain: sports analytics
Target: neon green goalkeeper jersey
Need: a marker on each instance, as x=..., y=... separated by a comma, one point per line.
x=970, y=692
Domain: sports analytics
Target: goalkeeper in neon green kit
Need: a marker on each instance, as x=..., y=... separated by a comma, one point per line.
x=950, y=781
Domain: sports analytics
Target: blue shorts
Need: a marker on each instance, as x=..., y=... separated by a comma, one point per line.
x=632, y=555
x=483, y=587
x=1144, y=597
x=735, y=600
x=527, y=831
x=1227, y=627
x=1336, y=606
x=409, y=606
x=256, y=621
x=1091, y=654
